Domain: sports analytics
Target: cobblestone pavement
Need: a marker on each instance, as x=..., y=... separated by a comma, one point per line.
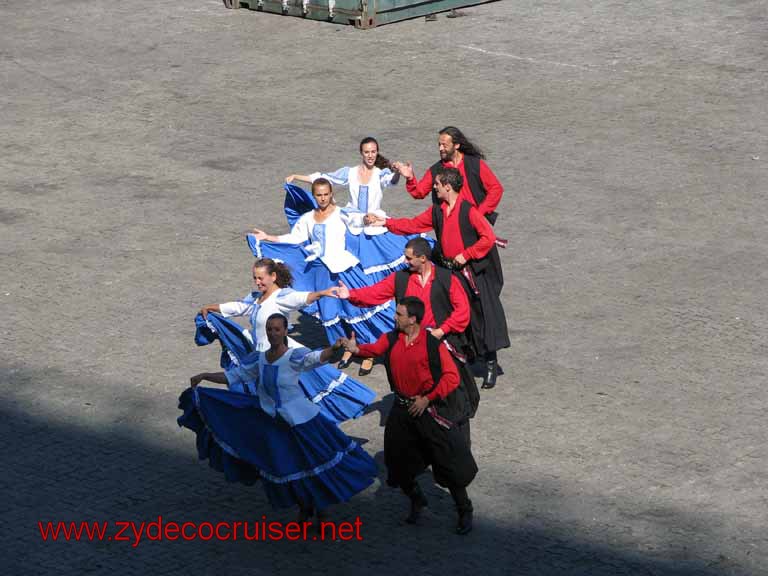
x=141, y=139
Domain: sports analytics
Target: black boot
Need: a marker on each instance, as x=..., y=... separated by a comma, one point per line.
x=464, y=525
x=491, y=372
x=418, y=502
x=465, y=510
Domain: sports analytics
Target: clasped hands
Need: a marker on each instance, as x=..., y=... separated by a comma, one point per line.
x=373, y=219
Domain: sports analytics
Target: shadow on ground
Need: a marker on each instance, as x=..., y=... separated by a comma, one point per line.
x=114, y=471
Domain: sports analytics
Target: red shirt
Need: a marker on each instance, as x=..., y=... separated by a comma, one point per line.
x=421, y=188
x=451, y=241
x=382, y=291
x=409, y=365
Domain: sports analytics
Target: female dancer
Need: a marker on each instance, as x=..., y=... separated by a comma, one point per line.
x=328, y=260
x=278, y=434
x=366, y=183
x=342, y=398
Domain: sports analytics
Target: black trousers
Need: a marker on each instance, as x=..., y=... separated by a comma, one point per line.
x=412, y=444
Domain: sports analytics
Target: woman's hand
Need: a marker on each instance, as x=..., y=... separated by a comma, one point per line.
x=209, y=308
x=261, y=235
x=290, y=178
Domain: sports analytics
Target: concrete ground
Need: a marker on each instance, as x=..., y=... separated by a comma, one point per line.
x=141, y=139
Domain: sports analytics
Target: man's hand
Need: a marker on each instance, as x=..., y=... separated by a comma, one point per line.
x=420, y=404
x=341, y=291
x=404, y=168
x=350, y=344
x=196, y=379
x=290, y=178
x=460, y=260
x=372, y=219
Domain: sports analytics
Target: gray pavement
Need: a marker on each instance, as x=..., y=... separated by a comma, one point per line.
x=140, y=140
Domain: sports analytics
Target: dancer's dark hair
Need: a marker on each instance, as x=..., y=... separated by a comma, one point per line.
x=466, y=147
x=414, y=306
x=381, y=161
x=283, y=276
x=450, y=176
x=283, y=318
x=420, y=247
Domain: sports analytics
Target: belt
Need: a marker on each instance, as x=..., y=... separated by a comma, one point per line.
x=402, y=400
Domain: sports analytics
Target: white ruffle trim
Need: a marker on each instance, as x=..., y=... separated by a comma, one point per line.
x=333, y=385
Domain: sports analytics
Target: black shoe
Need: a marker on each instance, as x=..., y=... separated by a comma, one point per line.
x=418, y=503
x=365, y=371
x=491, y=372
x=344, y=363
x=464, y=525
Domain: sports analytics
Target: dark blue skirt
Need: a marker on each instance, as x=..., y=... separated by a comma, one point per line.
x=313, y=463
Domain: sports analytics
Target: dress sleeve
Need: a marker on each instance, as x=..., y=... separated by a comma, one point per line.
x=421, y=223
x=419, y=188
x=289, y=300
x=303, y=359
x=387, y=178
x=340, y=177
x=486, y=237
x=238, y=307
x=374, y=350
x=299, y=233
x=493, y=189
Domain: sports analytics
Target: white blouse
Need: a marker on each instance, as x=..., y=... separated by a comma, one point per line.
x=363, y=198
x=328, y=240
x=279, y=391
x=282, y=301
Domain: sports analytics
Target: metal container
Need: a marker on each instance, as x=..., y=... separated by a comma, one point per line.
x=358, y=13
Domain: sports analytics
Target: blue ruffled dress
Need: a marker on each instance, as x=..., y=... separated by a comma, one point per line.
x=278, y=435
x=378, y=256
x=339, y=397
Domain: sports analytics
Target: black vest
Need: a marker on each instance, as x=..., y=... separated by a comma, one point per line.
x=439, y=295
x=468, y=234
x=472, y=171
x=456, y=407
x=439, y=300
x=433, y=353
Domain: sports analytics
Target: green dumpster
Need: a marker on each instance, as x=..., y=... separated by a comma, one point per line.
x=358, y=13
